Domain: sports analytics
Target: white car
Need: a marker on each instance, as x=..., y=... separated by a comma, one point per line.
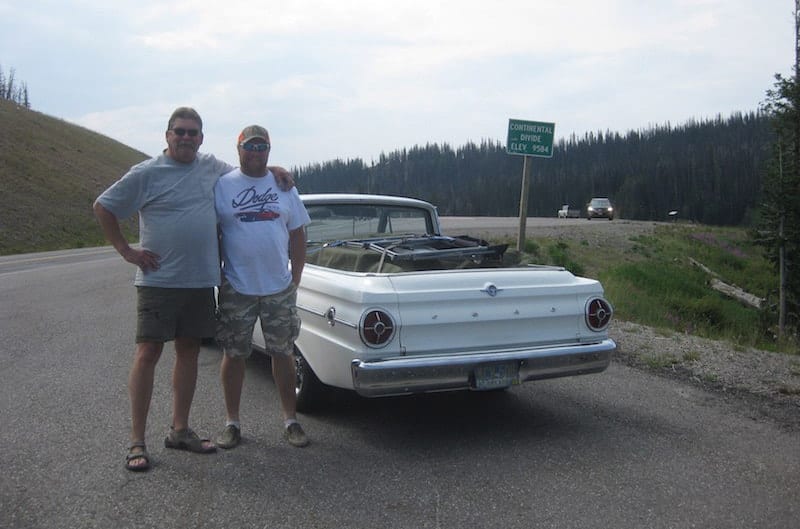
x=389, y=306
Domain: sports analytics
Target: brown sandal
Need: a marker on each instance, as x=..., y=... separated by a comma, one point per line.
x=188, y=440
x=134, y=455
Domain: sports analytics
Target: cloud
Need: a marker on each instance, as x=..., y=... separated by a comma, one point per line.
x=354, y=78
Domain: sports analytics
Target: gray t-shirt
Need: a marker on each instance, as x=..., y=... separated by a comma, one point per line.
x=177, y=221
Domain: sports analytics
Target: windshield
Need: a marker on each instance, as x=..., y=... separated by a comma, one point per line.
x=335, y=222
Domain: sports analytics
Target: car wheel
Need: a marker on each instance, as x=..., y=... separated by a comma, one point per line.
x=308, y=387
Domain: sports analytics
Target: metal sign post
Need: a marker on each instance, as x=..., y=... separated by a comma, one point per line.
x=523, y=202
x=528, y=138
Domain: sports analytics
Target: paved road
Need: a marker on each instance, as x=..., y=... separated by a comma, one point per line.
x=620, y=449
x=14, y=263
x=469, y=224
x=491, y=227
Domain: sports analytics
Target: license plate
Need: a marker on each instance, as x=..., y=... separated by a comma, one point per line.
x=494, y=376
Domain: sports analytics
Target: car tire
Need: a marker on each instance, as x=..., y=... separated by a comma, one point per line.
x=308, y=387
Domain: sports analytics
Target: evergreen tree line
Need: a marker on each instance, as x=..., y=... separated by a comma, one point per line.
x=709, y=171
x=11, y=91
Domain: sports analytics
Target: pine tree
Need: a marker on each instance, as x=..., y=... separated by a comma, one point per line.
x=779, y=227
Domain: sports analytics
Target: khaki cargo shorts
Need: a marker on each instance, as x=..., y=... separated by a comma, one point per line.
x=237, y=314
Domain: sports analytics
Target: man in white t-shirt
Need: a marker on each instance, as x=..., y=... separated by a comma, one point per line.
x=262, y=230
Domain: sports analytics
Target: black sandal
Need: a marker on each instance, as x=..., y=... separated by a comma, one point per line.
x=135, y=455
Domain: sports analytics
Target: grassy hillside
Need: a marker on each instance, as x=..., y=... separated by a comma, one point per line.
x=653, y=277
x=51, y=172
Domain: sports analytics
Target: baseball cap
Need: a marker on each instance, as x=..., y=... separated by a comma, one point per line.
x=252, y=132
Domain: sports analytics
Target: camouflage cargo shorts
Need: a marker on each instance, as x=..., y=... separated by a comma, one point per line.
x=237, y=314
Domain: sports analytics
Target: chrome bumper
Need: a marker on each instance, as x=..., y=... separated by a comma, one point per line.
x=406, y=375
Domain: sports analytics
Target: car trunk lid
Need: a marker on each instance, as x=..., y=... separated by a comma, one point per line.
x=492, y=309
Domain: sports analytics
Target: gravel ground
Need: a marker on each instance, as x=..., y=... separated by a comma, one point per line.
x=769, y=383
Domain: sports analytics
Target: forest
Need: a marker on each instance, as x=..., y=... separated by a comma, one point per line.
x=708, y=171
x=12, y=90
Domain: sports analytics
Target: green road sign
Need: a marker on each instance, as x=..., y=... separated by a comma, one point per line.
x=530, y=138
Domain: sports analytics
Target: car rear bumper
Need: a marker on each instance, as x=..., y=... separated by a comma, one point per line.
x=401, y=376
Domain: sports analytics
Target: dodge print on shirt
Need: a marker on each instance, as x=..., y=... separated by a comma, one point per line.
x=257, y=216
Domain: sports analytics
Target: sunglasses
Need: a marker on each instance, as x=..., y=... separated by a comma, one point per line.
x=257, y=147
x=186, y=132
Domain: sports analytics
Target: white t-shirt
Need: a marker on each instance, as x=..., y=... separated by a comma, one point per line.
x=254, y=218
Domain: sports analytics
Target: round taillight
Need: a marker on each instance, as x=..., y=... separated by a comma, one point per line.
x=376, y=328
x=598, y=314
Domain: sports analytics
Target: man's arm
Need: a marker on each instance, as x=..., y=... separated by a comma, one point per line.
x=144, y=259
x=297, y=253
x=283, y=177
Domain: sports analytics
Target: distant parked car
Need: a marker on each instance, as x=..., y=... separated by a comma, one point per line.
x=599, y=207
x=390, y=306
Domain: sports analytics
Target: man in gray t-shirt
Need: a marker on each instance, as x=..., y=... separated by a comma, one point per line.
x=177, y=270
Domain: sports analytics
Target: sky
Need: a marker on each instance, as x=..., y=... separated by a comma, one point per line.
x=347, y=79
